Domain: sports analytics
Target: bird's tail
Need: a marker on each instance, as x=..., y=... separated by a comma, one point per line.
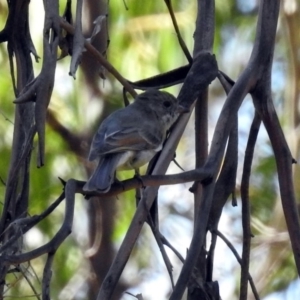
x=103, y=175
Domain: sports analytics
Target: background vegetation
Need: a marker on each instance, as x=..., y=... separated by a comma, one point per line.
x=139, y=40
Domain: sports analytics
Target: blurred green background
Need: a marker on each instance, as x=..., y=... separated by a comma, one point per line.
x=143, y=43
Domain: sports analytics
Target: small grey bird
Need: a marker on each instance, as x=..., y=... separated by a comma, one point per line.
x=130, y=137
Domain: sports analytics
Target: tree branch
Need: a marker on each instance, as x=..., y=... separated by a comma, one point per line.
x=262, y=53
x=100, y=58
x=60, y=236
x=245, y=262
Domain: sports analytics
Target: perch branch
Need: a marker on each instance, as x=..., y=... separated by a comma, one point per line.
x=149, y=180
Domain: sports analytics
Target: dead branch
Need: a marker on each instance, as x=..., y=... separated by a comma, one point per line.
x=78, y=40
x=180, y=39
x=60, y=236
x=100, y=58
x=245, y=262
x=19, y=45
x=40, y=89
x=238, y=258
x=23, y=225
x=262, y=52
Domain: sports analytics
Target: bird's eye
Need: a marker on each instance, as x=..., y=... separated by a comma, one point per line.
x=167, y=104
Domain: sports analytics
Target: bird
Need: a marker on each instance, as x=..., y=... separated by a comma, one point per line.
x=130, y=137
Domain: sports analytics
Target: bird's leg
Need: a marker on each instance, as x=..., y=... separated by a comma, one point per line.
x=138, y=177
x=117, y=181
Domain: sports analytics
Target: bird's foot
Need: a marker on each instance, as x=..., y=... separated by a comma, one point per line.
x=139, y=178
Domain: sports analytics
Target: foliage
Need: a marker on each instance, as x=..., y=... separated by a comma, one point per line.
x=142, y=44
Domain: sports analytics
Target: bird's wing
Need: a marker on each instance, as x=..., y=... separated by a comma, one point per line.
x=127, y=138
x=133, y=138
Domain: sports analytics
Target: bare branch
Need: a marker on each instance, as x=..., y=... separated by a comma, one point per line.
x=47, y=275
x=46, y=78
x=262, y=99
x=17, y=184
x=157, y=236
x=100, y=58
x=59, y=237
x=180, y=39
x=22, y=225
x=262, y=51
x=246, y=206
x=192, y=89
x=238, y=258
x=78, y=40
x=40, y=89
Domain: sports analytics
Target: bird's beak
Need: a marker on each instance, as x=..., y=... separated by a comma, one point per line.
x=182, y=110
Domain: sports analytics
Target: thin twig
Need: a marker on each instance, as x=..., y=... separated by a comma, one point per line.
x=180, y=39
x=59, y=237
x=159, y=242
x=24, y=224
x=6, y=118
x=246, y=206
x=238, y=258
x=166, y=242
x=36, y=294
x=70, y=29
